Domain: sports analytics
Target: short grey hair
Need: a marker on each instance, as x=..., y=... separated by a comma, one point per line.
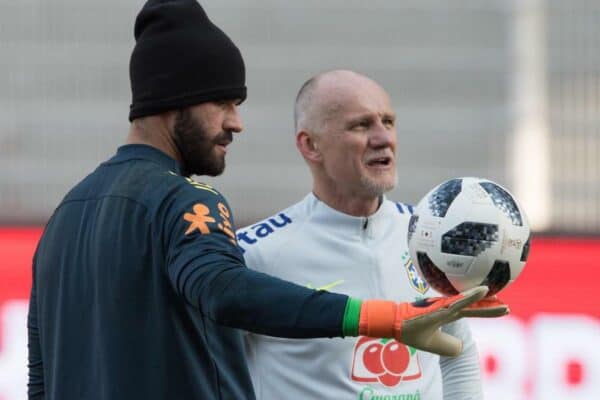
x=304, y=99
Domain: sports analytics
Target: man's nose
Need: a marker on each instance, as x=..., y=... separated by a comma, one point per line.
x=233, y=120
x=383, y=136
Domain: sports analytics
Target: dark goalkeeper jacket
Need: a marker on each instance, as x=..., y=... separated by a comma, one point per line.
x=138, y=286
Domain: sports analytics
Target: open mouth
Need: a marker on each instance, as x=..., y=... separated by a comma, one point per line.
x=380, y=162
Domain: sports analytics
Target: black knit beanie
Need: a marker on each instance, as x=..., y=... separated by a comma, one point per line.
x=181, y=59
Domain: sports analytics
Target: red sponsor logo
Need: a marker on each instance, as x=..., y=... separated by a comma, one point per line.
x=386, y=361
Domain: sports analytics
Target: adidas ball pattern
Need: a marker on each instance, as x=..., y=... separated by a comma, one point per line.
x=468, y=232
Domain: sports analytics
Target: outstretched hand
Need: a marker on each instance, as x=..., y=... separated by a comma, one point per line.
x=421, y=322
x=418, y=324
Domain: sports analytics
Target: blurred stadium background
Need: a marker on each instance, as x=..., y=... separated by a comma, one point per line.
x=503, y=89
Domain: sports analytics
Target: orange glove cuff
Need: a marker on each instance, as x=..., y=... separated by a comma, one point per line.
x=377, y=318
x=384, y=319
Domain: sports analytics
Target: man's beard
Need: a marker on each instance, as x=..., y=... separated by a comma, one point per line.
x=376, y=189
x=196, y=148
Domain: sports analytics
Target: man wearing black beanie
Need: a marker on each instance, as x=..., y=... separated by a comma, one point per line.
x=139, y=286
x=182, y=59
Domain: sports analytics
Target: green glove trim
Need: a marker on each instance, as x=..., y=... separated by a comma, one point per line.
x=351, y=317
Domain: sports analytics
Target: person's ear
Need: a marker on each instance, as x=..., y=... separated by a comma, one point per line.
x=308, y=146
x=169, y=118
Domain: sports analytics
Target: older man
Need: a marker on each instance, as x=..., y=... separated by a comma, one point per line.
x=345, y=235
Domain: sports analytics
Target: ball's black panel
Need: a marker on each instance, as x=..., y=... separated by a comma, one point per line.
x=469, y=238
x=525, y=252
x=434, y=276
x=440, y=200
x=503, y=201
x=498, y=277
x=412, y=226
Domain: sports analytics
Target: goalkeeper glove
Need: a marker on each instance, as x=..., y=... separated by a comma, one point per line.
x=418, y=324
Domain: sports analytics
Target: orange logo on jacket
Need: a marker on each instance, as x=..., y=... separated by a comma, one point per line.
x=226, y=225
x=199, y=219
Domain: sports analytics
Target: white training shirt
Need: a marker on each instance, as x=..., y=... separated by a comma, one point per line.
x=314, y=245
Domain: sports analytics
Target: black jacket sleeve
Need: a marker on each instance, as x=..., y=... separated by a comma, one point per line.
x=206, y=267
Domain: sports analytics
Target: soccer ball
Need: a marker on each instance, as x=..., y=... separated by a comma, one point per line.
x=468, y=232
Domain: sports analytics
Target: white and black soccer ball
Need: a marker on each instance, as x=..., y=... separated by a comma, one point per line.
x=468, y=232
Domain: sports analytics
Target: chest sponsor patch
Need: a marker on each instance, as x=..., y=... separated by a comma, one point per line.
x=384, y=361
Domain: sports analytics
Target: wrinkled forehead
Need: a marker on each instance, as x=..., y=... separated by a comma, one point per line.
x=346, y=98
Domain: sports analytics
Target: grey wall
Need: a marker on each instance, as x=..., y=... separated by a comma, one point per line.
x=64, y=90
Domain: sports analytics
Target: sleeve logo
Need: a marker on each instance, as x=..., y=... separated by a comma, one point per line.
x=201, y=217
x=262, y=230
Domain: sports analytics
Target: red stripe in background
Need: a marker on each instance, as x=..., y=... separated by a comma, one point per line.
x=561, y=276
x=17, y=246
